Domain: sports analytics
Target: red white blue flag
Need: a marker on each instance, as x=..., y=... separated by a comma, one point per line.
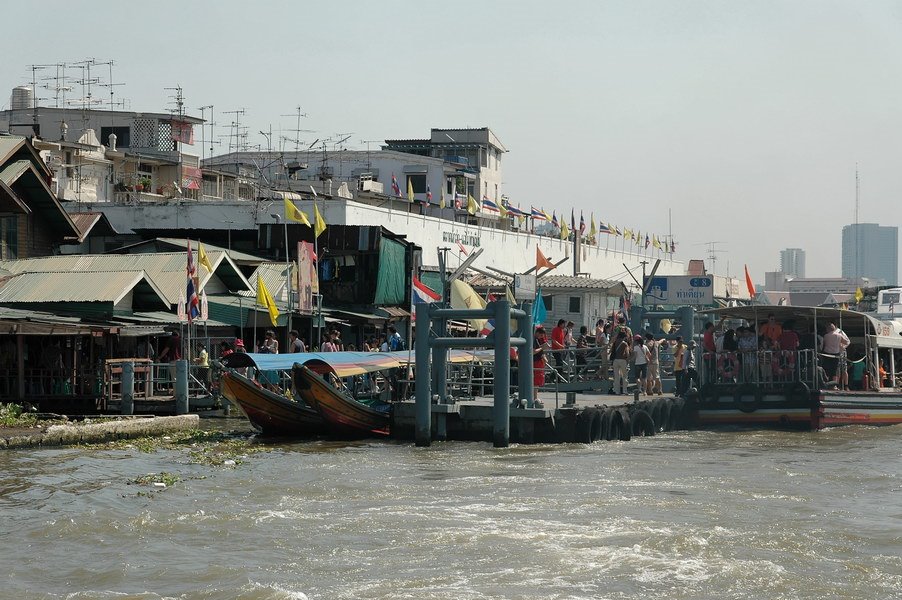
x=422, y=294
x=582, y=223
x=394, y=186
x=428, y=195
x=192, y=307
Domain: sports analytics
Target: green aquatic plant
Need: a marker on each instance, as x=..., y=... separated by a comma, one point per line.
x=12, y=415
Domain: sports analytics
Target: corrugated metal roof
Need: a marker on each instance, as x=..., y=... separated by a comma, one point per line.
x=9, y=144
x=238, y=257
x=166, y=270
x=86, y=221
x=71, y=286
x=14, y=170
x=273, y=275
x=548, y=282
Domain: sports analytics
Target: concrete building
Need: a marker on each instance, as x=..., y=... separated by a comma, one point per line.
x=872, y=251
x=792, y=262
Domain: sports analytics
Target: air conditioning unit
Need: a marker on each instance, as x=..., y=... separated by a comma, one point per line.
x=368, y=185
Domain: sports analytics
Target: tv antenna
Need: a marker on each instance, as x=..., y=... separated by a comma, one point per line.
x=178, y=99
x=110, y=84
x=235, y=129
x=712, y=252
x=369, y=164
x=297, y=129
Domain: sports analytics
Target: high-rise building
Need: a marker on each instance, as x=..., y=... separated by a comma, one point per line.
x=870, y=250
x=792, y=262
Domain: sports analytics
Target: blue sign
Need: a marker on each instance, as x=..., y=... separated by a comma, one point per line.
x=680, y=290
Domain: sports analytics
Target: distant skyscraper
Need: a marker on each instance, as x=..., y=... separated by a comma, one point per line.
x=792, y=262
x=869, y=250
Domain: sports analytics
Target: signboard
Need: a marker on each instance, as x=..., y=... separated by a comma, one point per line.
x=680, y=290
x=524, y=287
x=182, y=131
x=307, y=281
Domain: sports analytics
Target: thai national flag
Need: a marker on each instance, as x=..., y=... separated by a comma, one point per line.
x=192, y=307
x=459, y=200
x=489, y=326
x=422, y=294
x=538, y=214
x=489, y=205
x=582, y=223
x=394, y=186
x=428, y=195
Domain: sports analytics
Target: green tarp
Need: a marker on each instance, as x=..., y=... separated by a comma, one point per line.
x=433, y=281
x=391, y=285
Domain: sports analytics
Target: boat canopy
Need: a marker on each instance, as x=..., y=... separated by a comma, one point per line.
x=887, y=333
x=343, y=364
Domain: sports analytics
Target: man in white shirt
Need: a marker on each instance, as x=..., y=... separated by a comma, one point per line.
x=834, y=345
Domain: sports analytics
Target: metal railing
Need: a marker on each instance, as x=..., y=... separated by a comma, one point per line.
x=759, y=367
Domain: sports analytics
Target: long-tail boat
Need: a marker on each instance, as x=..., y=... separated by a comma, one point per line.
x=269, y=412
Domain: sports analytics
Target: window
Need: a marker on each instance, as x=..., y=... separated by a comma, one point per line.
x=549, y=302
x=123, y=136
x=575, y=302
x=9, y=232
x=418, y=183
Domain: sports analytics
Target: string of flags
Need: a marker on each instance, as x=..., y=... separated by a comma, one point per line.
x=560, y=226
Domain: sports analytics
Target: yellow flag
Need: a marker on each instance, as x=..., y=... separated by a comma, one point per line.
x=472, y=206
x=502, y=209
x=202, y=257
x=319, y=224
x=265, y=299
x=463, y=296
x=293, y=214
x=565, y=231
x=593, y=231
x=441, y=204
x=655, y=242
x=410, y=197
x=859, y=295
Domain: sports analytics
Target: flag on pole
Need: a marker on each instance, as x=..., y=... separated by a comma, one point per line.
x=565, y=231
x=748, y=282
x=441, y=203
x=422, y=294
x=202, y=258
x=541, y=261
x=859, y=295
x=319, y=224
x=265, y=299
x=655, y=242
x=539, y=312
x=192, y=306
x=472, y=205
x=539, y=214
x=293, y=214
x=410, y=196
x=582, y=224
x=625, y=306
x=489, y=206
x=672, y=246
x=458, y=200
x=463, y=249
x=428, y=195
x=647, y=241
x=394, y=186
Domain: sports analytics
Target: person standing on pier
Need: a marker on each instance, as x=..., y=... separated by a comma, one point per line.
x=620, y=355
x=538, y=363
x=295, y=344
x=558, y=341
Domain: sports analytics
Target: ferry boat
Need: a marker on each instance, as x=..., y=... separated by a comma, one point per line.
x=795, y=387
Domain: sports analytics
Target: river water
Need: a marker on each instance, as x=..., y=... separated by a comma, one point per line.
x=680, y=515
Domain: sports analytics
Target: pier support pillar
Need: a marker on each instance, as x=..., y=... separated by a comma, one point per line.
x=501, y=428
x=423, y=430
x=181, y=387
x=127, y=403
x=524, y=373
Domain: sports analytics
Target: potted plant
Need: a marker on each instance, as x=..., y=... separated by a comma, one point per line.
x=145, y=183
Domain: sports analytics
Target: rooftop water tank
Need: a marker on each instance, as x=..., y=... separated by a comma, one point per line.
x=21, y=98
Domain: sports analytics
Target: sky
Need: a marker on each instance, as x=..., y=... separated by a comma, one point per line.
x=736, y=125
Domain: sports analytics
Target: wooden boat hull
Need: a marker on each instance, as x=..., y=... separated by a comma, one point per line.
x=272, y=413
x=796, y=408
x=346, y=417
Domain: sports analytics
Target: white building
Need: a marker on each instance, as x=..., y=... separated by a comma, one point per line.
x=792, y=262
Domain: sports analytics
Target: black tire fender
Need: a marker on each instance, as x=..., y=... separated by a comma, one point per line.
x=798, y=391
x=588, y=426
x=626, y=431
x=642, y=424
x=744, y=391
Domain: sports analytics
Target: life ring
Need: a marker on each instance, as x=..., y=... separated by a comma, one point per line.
x=727, y=365
x=744, y=391
x=642, y=424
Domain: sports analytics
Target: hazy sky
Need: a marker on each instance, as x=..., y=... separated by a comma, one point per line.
x=745, y=118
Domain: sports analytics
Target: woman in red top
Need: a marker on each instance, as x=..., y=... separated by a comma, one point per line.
x=540, y=340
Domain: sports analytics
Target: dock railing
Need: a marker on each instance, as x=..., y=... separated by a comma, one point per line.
x=764, y=368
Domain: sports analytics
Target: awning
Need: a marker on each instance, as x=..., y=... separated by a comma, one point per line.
x=343, y=364
x=393, y=312
x=356, y=316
